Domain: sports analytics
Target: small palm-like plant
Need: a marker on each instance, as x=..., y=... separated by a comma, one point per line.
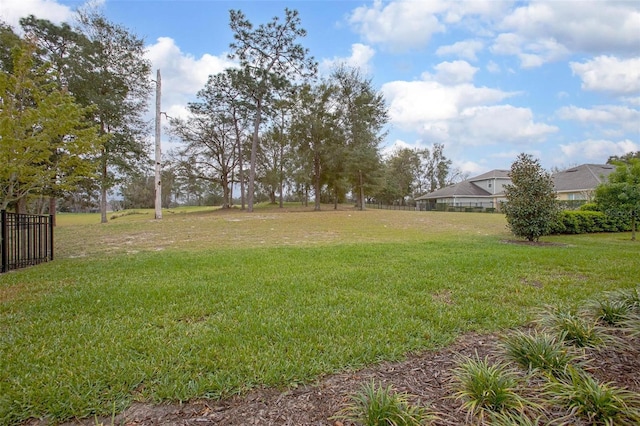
x=540, y=352
x=599, y=403
x=574, y=329
x=374, y=405
x=486, y=387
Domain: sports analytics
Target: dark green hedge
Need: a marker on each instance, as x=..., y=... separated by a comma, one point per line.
x=586, y=221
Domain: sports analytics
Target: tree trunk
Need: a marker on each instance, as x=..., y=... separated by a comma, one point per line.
x=240, y=163
x=254, y=150
x=103, y=191
x=52, y=209
x=281, y=175
x=21, y=205
x=226, y=192
x=361, y=190
x=316, y=171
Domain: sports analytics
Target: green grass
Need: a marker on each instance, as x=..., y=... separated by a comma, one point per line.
x=208, y=303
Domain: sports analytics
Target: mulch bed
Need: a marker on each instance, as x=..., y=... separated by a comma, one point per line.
x=426, y=376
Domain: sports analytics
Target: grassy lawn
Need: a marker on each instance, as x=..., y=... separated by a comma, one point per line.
x=207, y=303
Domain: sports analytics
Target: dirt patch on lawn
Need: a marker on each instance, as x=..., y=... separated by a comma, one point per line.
x=426, y=376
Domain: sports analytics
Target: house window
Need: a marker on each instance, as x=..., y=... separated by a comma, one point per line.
x=489, y=184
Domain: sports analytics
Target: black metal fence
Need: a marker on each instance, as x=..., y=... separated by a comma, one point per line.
x=25, y=240
x=440, y=207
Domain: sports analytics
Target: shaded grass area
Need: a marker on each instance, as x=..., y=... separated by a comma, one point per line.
x=91, y=334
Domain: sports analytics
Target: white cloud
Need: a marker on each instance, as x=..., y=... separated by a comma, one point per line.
x=361, y=56
x=403, y=25
x=470, y=168
x=388, y=150
x=483, y=125
x=531, y=53
x=182, y=74
x=492, y=67
x=415, y=104
x=461, y=114
x=609, y=74
x=625, y=118
x=598, y=150
x=449, y=73
x=539, y=32
x=464, y=49
x=586, y=26
x=12, y=10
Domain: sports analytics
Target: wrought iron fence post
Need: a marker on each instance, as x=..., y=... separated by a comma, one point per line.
x=51, y=236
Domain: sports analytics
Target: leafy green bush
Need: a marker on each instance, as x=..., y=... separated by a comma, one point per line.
x=531, y=208
x=589, y=207
x=588, y=221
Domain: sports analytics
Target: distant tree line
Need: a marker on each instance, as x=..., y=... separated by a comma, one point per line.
x=73, y=98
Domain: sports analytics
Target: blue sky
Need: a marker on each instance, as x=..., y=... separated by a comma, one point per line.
x=488, y=79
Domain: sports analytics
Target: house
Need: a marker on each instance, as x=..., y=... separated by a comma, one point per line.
x=484, y=191
x=579, y=183
x=487, y=190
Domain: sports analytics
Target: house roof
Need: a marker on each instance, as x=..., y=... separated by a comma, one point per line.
x=582, y=178
x=463, y=189
x=493, y=174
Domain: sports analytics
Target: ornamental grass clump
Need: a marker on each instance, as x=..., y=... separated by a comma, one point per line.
x=629, y=297
x=611, y=312
x=574, y=328
x=599, y=403
x=541, y=352
x=374, y=405
x=487, y=388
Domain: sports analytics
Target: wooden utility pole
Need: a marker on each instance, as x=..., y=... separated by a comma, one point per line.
x=158, y=182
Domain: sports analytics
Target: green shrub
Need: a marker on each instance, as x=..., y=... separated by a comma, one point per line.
x=599, y=403
x=486, y=388
x=574, y=329
x=540, y=352
x=374, y=405
x=611, y=312
x=588, y=221
x=589, y=207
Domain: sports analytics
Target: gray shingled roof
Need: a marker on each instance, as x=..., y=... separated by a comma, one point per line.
x=493, y=174
x=462, y=189
x=582, y=178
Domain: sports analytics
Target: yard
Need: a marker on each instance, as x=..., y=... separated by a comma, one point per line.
x=209, y=304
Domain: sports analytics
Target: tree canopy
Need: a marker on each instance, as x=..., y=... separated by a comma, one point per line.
x=47, y=143
x=531, y=208
x=620, y=195
x=269, y=57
